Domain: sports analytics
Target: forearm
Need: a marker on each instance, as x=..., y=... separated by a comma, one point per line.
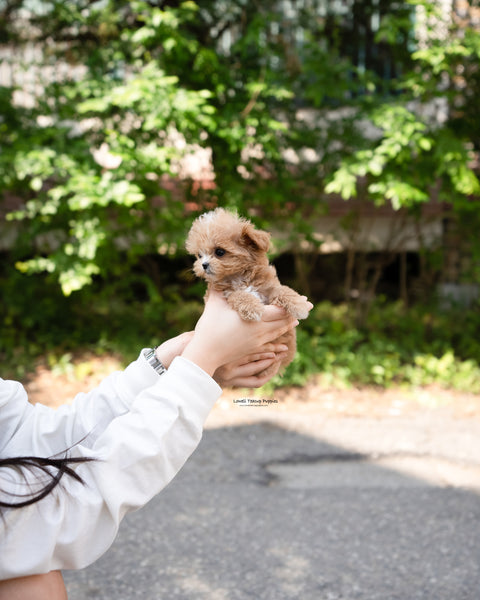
x=42, y=431
x=135, y=458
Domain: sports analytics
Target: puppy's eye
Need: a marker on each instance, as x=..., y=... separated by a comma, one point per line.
x=219, y=251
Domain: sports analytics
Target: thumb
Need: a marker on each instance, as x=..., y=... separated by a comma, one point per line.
x=273, y=313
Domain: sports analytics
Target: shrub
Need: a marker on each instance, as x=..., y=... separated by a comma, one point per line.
x=396, y=346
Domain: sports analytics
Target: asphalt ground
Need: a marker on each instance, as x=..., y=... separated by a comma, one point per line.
x=281, y=503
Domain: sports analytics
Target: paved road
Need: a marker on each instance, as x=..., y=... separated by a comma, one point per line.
x=280, y=505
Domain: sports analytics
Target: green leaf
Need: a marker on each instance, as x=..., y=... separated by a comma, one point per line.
x=77, y=277
x=344, y=182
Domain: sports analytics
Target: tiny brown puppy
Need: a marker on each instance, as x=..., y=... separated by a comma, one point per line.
x=231, y=255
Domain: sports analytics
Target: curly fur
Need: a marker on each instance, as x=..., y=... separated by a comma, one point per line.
x=231, y=256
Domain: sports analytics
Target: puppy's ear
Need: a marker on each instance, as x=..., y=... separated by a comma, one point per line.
x=191, y=243
x=257, y=240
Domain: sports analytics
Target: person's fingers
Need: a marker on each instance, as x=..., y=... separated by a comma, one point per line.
x=254, y=358
x=254, y=367
x=253, y=381
x=273, y=313
x=231, y=373
x=273, y=347
x=219, y=326
x=270, y=350
x=274, y=329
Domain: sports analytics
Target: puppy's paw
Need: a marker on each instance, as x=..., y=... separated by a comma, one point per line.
x=249, y=313
x=300, y=309
x=297, y=306
x=297, y=313
x=246, y=305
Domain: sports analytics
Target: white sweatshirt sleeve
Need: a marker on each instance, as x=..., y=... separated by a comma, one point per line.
x=137, y=455
x=41, y=431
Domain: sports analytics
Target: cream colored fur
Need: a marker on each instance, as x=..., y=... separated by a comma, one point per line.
x=231, y=256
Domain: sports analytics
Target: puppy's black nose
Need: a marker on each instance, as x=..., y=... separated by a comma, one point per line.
x=205, y=266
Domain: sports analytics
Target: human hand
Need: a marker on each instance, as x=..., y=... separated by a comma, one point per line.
x=222, y=337
x=247, y=372
x=173, y=347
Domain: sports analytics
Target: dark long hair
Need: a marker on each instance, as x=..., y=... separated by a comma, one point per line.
x=50, y=470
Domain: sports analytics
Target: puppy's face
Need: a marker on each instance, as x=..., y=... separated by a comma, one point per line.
x=225, y=246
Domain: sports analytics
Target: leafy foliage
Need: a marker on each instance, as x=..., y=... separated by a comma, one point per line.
x=96, y=153
x=277, y=109
x=414, y=347
x=149, y=84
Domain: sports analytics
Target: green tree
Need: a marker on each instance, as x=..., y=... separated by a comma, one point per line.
x=427, y=143
x=279, y=95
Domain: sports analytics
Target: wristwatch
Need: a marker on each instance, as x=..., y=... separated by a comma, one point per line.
x=151, y=358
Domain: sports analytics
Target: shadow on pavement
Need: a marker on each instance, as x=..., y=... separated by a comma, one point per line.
x=264, y=513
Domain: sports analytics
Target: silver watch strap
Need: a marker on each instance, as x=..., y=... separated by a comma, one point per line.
x=151, y=358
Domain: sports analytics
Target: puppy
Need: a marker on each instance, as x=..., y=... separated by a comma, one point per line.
x=231, y=256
